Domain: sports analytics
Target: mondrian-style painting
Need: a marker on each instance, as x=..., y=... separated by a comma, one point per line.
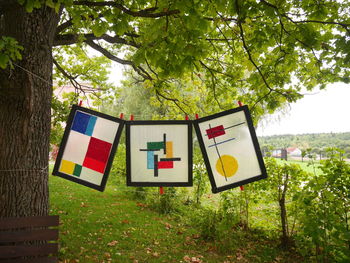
x=88, y=147
x=159, y=153
x=230, y=149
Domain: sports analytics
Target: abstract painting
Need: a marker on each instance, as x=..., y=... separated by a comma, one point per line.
x=88, y=147
x=159, y=153
x=230, y=149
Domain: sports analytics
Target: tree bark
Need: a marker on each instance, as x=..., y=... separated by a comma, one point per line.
x=25, y=112
x=285, y=239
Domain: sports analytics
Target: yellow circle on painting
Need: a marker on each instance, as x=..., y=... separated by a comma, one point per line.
x=227, y=165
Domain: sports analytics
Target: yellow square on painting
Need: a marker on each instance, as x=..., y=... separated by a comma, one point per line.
x=169, y=150
x=67, y=167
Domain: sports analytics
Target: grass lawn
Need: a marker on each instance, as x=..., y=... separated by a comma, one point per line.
x=306, y=165
x=113, y=227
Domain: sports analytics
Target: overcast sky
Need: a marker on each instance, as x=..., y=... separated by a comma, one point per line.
x=324, y=111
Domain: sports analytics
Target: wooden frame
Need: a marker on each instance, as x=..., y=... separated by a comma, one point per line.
x=230, y=149
x=97, y=136
x=171, y=141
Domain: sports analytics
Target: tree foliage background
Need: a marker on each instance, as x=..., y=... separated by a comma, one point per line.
x=260, y=52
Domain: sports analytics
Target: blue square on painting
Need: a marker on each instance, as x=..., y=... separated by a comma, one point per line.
x=91, y=126
x=81, y=122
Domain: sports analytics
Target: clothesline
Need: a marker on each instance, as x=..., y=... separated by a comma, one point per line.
x=26, y=170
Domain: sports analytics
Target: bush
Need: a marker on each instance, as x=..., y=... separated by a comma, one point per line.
x=326, y=205
x=118, y=170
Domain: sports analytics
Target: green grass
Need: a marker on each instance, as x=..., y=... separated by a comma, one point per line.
x=109, y=226
x=305, y=165
x=113, y=227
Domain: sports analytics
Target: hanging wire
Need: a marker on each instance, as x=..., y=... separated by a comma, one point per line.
x=33, y=74
x=42, y=170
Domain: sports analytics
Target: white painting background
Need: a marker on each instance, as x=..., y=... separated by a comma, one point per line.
x=77, y=145
x=241, y=148
x=141, y=134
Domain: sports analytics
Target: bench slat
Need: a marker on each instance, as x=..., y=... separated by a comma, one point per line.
x=29, y=235
x=33, y=221
x=27, y=250
x=36, y=260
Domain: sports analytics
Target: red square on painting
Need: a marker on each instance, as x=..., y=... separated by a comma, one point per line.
x=165, y=164
x=215, y=131
x=94, y=165
x=98, y=150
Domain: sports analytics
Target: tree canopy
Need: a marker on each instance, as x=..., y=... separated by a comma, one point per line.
x=261, y=52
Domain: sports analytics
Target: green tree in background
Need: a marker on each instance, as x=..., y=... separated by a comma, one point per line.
x=259, y=52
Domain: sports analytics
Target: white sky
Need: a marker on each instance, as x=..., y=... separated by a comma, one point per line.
x=327, y=110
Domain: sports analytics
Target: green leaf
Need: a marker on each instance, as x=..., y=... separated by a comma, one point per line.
x=4, y=59
x=99, y=29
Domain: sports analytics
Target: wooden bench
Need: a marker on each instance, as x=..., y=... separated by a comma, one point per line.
x=29, y=239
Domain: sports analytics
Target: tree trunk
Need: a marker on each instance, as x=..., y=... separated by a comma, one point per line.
x=25, y=111
x=283, y=211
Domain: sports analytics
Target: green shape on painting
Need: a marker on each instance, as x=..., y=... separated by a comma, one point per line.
x=77, y=170
x=155, y=145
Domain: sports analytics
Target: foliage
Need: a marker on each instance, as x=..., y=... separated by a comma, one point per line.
x=167, y=201
x=326, y=203
x=207, y=220
x=259, y=52
x=10, y=51
x=200, y=178
x=234, y=206
x=282, y=186
x=131, y=99
x=89, y=74
x=118, y=170
x=60, y=112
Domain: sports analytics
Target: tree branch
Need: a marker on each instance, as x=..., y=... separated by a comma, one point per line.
x=78, y=87
x=175, y=101
x=213, y=80
x=141, y=13
x=69, y=39
x=250, y=56
x=64, y=26
x=344, y=25
x=69, y=22
x=143, y=73
x=221, y=18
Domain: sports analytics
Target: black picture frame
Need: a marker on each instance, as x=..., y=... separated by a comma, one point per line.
x=129, y=178
x=199, y=132
x=108, y=165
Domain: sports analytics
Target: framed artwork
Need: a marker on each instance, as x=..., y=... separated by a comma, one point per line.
x=159, y=153
x=230, y=149
x=88, y=147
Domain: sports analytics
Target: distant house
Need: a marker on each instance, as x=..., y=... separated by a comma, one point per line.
x=276, y=153
x=294, y=151
x=85, y=89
